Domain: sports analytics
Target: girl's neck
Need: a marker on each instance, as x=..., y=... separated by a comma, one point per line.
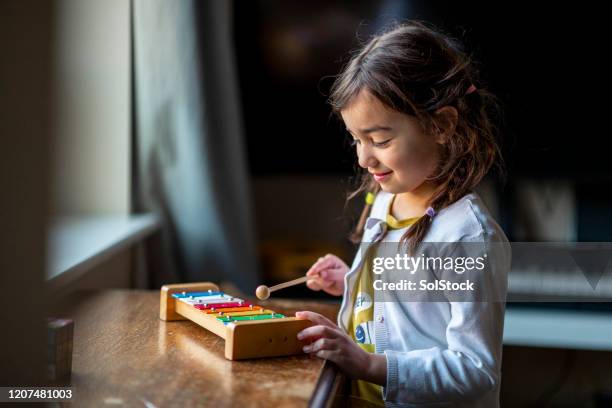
x=413, y=203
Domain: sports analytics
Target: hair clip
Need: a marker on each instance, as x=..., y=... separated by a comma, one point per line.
x=471, y=89
x=430, y=212
x=369, y=198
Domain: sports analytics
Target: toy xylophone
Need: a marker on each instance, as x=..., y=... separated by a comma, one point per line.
x=249, y=330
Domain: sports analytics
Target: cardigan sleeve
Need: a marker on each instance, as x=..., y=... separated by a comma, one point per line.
x=465, y=369
x=467, y=366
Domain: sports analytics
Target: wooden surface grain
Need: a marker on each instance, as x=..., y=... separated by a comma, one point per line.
x=124, y=355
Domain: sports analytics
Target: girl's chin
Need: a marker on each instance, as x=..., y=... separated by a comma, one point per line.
x=393, y=188
x=389, y=188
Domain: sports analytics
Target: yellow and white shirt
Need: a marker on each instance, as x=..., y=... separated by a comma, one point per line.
x=361, y=325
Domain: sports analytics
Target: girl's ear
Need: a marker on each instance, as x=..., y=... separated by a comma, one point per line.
x=446, y=120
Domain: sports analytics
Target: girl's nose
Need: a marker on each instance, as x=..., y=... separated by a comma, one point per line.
x=366, y=157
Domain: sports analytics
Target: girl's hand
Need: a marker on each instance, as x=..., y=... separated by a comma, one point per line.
x=329, y=342
x=328, y=274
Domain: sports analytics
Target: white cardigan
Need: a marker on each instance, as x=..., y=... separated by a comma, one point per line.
x=439, y=354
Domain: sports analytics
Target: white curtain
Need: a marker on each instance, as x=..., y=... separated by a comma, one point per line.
x=190, y=163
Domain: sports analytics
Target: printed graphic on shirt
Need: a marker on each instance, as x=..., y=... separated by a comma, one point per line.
x=364, y=333
x=363, y=301
x=363, y=322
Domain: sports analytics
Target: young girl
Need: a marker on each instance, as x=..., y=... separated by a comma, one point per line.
x=424, y=135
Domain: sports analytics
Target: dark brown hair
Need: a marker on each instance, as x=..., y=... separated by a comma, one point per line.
x=414, y=68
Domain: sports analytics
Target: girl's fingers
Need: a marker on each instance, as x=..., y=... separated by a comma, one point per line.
x=316, y=318
x=314, y=269
x=330, y=355
x=320, y=281
x=318, y=331
x=328, y=284
x=322, y=263
x=313, y=284
x=320, y=344
x=320, y=275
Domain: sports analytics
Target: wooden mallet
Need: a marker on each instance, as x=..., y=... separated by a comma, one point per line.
x=263, y=292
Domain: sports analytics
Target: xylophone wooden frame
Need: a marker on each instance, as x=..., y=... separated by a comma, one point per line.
x=243, y=339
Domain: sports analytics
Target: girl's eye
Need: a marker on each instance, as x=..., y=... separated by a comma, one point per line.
x=381, y=144
x=355, y=142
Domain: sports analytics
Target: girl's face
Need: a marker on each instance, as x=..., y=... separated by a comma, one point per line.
x=390, y=145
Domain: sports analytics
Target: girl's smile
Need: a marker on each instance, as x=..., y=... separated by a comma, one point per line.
x=381, y=177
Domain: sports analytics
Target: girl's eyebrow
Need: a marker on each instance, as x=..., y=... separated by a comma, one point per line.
x=375, y=128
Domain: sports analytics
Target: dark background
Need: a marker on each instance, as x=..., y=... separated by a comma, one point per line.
x=541, y=61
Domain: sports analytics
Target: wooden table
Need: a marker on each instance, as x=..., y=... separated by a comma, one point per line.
x=124, y=355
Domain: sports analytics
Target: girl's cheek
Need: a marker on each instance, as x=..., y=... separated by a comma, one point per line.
x=401, y=159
